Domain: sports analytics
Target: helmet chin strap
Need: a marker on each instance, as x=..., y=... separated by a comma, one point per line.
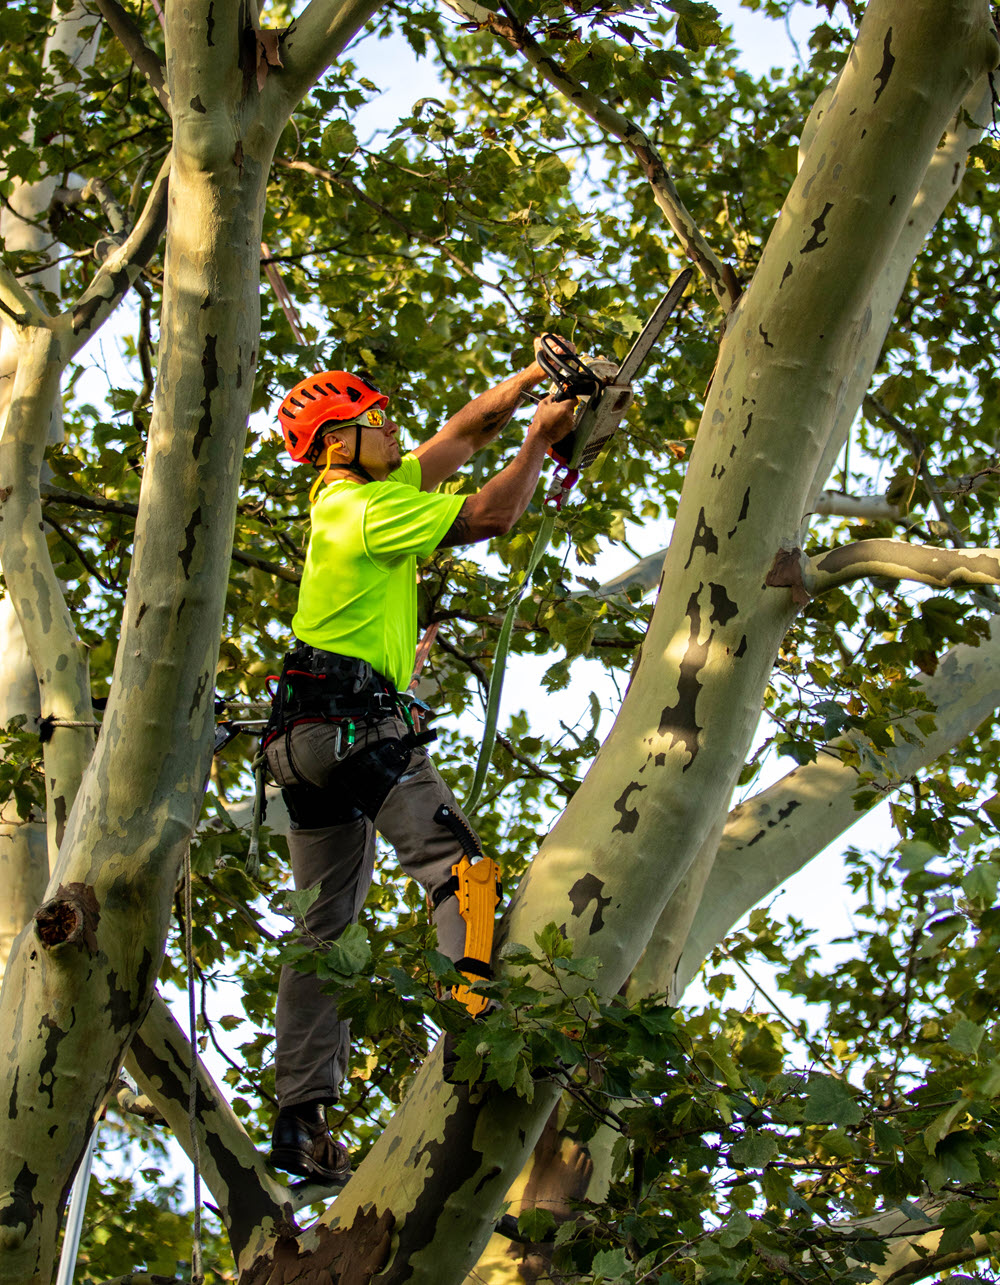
x=355, y=465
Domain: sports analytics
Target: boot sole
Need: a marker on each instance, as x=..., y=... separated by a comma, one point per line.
x=295, y=1162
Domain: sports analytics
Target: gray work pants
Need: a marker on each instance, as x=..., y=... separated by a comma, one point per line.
x=312, y=1041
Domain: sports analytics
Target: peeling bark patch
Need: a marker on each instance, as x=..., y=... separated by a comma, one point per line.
x=344, y=1256
x=488, y=1176
x=763, y=334
x=678, y=721
x=210, y=25
x=819, y=227
x=12, y=1104
x=723, y=607
x=199, y=692
x=744, y=510
x=210, y=365
x=70, y=918
x=741, y=650
x=749, y=423
x=785, y=812
x=704, y=538
x=197, y=105
x=583, y=892
x=187, y=553
x=60, y=812
x=120, y=1007
x=628, y=817
x=84, y=314
x=888, y=62
x=142, y=611
x=785, y=275
x=17, y=1207
x=448, y=1161
x=47, y=1065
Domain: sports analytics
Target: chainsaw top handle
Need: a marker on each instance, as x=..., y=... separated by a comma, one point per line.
x=572, y=376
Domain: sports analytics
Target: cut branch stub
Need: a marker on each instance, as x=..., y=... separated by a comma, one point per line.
x=70, y=918
x=786, y=573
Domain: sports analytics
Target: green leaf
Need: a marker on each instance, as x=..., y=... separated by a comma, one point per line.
x=299, y=900
x=980, y=884
x=737, y=1228
x=830, y=1101
x=966, y=1037
x=753, y=1151
x=350, y=954
x=955, y=1160
x=609, y=1265
x=536, y=1224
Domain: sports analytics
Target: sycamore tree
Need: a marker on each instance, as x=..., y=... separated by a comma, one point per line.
x=815, y=447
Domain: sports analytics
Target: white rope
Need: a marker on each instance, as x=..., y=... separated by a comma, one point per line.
x=197, y=1271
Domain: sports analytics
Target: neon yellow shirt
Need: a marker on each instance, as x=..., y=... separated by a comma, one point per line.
x=358, y=595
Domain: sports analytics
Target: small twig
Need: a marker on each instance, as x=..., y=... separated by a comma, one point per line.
x=793, y=1026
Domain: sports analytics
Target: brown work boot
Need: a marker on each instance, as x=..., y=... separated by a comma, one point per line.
x=301, y=1144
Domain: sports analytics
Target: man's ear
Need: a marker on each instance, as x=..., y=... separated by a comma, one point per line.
x=341, y=451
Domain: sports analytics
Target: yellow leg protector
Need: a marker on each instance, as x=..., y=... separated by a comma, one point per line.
x=478, y=897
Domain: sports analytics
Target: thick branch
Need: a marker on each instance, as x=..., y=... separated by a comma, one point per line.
x=720, y=276
x=778, y=831
x=311, y=43
x=889, y=559
x=251, y=1204
x=131, y=40
x=122, y=266
x=17, y=308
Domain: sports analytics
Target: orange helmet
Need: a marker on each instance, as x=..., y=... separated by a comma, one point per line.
x=327, y=398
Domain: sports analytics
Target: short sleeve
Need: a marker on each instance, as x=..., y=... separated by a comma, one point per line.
x=400, y=521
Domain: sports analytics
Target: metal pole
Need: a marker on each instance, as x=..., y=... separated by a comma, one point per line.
x=74, y=1217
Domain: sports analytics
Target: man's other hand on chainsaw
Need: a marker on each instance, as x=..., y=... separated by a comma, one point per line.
x=495, y=509
x=552, y=420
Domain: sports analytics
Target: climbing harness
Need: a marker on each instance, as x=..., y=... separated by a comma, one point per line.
x=596, y=423
x=475, y=881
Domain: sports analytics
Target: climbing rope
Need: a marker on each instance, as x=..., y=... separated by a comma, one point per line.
x=542, y=540
x=197, y=1270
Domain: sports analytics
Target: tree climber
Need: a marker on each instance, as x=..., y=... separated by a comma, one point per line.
x=340, y=741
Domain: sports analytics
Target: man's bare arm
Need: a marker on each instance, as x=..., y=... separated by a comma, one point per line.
x=494, y=510
x=476, y=425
